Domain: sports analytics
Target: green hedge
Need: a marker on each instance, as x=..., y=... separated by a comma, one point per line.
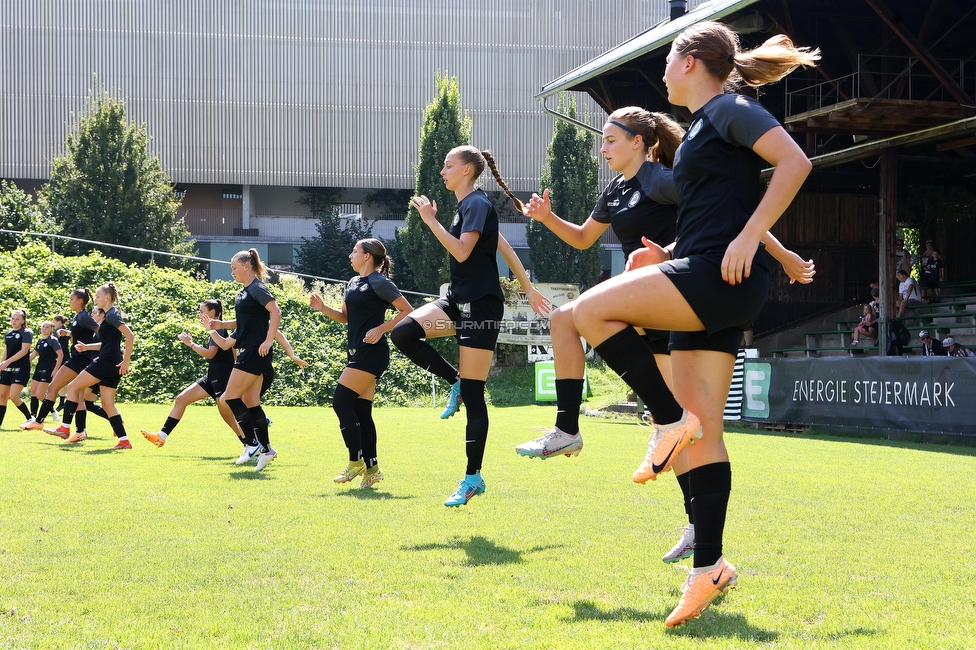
x=160, y=303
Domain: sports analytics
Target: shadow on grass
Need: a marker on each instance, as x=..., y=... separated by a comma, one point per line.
x=482, y=551
x=369, y=494
x=249, y=475
x=587, y=610
x=714, y=623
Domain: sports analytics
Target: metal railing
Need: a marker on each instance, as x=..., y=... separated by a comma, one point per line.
x=880, y=77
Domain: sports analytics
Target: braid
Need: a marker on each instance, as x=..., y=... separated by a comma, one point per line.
x=498, y=179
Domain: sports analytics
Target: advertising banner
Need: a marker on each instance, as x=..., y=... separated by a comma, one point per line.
x=915, y=394
x=522, y=326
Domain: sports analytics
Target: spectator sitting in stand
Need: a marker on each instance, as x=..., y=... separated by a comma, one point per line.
x=907, y=292
x=956, y=349
x=875, y=292
x=931, y=347
x=868, y=327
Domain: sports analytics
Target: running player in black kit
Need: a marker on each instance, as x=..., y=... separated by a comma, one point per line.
x=49, y=358
x=716, y=280
x=83, y=329
x=256, y=319
x=474, y=305
x=640, y=206
x=367, y=299
x=219, y=365
x=111, y=363
x=15, y=364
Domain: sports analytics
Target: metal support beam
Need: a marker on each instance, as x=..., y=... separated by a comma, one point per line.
x=919, y=50
x=888, y=217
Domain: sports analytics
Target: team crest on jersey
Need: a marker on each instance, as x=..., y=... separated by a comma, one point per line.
x=634, y=199
x=457, y=220
x=16, y=336
x=364, y=287
x=695, y=128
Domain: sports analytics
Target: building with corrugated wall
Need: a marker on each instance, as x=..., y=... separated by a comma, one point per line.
x=249, y=100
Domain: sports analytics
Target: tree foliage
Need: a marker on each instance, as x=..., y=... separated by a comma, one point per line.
x=570, y=173
x=445, y=126
x=19, y=212
x=327, y=254
x=109, y=187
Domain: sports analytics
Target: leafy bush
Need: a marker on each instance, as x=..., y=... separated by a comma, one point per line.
x=160, y=303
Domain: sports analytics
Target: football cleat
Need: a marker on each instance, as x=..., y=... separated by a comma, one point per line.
x=264, y=458
x=665, y=444
x=62, y=431
x=470, y=487
x=371, y=477
x=248, y=453
x=154, y=438
x=553, y=442
x=453, y=401
x=703, y=586
x=353, y=469
x=123, y=444
x=684, y=548
x=77, y=436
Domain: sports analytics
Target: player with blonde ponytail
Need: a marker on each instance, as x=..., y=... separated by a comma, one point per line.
x=710, y=284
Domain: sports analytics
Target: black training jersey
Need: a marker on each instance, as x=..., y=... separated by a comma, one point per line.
x=83, y=330
x=643, y=206
x=367, y=300
x=253, y=319
x=477, y=276
x=111, y=337
x=47, y=353
x=15, y=340
x=222, y=362
x=717, y=174
x=63, y=341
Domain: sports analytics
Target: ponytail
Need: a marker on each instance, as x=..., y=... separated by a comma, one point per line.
x=252, y=259
x=109, y=287
x=669, y=135
x=658, y=131
x=216, y=307
x=82, y=294
x=716, y=46
x=377, y=250
x=498, y=179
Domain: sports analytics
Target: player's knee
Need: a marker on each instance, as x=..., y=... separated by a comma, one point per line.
x=407, y=335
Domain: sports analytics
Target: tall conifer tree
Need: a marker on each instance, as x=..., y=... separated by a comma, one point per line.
x=446, y=126
x=570, y=173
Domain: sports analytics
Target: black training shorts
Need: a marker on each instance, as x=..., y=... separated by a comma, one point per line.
x=476, y=323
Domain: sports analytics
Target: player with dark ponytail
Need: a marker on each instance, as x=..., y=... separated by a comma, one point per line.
x=49, y=358
x=82, y=329
x=219, y=365
x=111, y=364
x=368, y=297
x=15, y=364
x=473, y=308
